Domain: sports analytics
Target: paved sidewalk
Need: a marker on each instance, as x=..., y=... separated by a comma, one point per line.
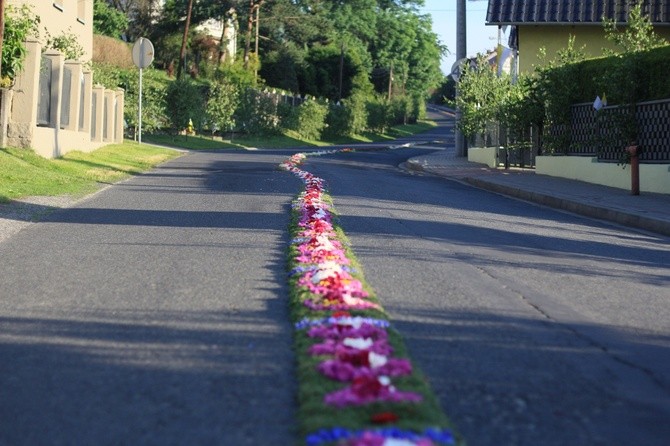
x=648, y=211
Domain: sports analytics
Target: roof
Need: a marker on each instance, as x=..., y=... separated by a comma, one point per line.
x=574, y=12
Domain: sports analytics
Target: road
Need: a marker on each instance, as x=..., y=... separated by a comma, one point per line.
x=533, y=326
x=155, y=311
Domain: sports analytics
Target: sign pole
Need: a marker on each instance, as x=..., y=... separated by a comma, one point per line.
x=143, y=55
x=139, y=118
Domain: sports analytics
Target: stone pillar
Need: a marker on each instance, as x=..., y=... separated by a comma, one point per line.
x=119, y=122
x=23, y=117
x=6, y=96
x=76, y=71
x=57, y=63
x=108, y=125
x=97, y=112
x=88, y=102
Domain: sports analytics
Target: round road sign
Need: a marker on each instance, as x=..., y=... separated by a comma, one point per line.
x=143, y=52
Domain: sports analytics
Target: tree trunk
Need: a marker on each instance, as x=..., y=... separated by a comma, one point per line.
x=182, y=52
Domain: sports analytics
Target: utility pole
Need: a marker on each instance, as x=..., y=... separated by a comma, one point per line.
x=258, y=17
x=390, y=93
x=182, y=52
x=250, y=28
x=461, y=53
x=339, y=97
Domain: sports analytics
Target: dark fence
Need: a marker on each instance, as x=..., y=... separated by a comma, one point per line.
x=518, y=150
x=601, y=133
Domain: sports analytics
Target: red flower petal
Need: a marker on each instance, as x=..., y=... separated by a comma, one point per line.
x=384, y=418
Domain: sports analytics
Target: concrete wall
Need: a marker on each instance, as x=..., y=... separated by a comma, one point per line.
x=483, y=155
x=653, y=177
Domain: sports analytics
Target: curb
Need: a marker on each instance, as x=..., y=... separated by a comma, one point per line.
x=588, y=210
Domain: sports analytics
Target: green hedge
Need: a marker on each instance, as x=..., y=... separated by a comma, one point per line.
x=639, y=76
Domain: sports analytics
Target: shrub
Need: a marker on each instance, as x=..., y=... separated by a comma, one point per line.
x=311, y=119
x=185, y=102
x=257, y=112
x=400, y=110
x=222, y=101
x=379, y=114
x=154, y=87
x=111, y=51
x=20, y=23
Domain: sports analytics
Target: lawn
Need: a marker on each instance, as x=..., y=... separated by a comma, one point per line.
x=285, y=141
x=24, y=173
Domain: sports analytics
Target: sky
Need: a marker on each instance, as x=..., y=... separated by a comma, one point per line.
x=480, y=37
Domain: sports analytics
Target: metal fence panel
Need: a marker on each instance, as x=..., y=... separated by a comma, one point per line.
x=44, y=98
x=65, y=97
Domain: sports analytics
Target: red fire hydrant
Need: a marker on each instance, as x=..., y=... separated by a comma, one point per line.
x=634, y=150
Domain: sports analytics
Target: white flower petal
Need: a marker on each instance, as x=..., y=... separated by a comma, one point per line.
x=358, y=343
x=376, y=360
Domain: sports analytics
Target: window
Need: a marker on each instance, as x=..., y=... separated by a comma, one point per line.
x=81, y=10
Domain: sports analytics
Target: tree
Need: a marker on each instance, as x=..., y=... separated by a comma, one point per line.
x=107, y=20
x=20, y=23
x=638, y=35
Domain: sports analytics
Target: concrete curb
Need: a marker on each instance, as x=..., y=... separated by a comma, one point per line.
x=563, y=203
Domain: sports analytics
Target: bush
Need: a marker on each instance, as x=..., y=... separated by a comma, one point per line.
x=185, y=102
x=311, y=119
x=400, y=110
x=222, y=101
x=337, y=121
x=379, y=114
x=20, y=23
x=110, y=51
x=154, y=88
x=257, y=113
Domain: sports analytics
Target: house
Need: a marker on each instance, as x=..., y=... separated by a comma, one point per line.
x=53, y=106
x=549, y=23
x=534, y=24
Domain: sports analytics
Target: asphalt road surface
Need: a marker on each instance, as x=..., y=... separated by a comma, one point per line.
x=535, y=327
x=155, y=311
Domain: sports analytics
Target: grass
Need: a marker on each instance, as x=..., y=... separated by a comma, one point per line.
x=288, y=140
x=24, y=173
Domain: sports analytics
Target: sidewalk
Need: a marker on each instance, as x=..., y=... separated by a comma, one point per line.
x=650, y=212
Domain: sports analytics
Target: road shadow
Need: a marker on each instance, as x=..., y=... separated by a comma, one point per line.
x=510, y=379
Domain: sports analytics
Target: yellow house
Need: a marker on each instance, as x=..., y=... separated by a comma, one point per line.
x=53, y=106
x=549, y=23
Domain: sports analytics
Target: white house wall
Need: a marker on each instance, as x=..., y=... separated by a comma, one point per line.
x=64, y=16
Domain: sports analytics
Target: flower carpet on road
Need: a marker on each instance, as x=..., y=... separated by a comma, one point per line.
x=357, y=385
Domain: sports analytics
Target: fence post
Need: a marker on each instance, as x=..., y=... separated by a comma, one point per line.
x=109, y=113
x=22, y=122
x=97, y=113
x=6, y=96
x=75, y=90
x=120, y=100
x=87, y=95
